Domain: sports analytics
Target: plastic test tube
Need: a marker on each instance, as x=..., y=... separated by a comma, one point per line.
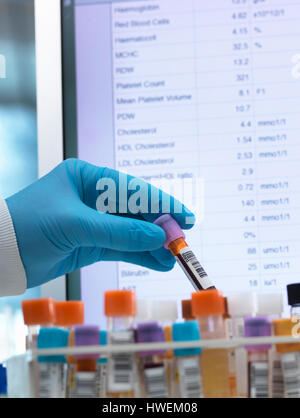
x=290, y=357
x=85, y=379
x=293, y=293
x=165, y=312
x=258, y=362
x=101, y=368
x=184, y=256
x=208, y=307
x=271, y=305
x=120, y=309
x=52, y=369
x=67, y=315
x=150, y=364
x=231, y=352
x=239, y=305
x=188, y=368
x=143, y=315
x=37, y=313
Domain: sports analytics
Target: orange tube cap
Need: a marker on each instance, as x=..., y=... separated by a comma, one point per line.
x=38, y=311
x=69, y=313
x=207, y=303
x=120, y=303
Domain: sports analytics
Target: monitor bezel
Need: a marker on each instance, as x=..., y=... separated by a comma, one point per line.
x=49, y=103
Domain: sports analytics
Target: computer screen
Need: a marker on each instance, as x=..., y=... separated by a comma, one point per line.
x=18, y=139
x=202, y=99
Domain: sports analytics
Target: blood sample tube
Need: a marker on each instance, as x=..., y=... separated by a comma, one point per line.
x=290, y=356
x=68, y=314
x=209, y=307
x=271, y=305
x=258, y=357
x=52, y=369
x=86, y=385
x=150, y=365
x=120, y=310
x=102, y=367
x=188, y=369
x=165, y=312
x=240, y=305
x=37, y=313
x=185, y=257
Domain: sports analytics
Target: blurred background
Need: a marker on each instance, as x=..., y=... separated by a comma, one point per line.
x=18, y=138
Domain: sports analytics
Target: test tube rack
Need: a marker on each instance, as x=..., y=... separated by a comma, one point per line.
x=204, y=344
x=21, y=367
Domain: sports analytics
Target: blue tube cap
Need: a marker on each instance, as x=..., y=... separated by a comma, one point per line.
x=52, y=338
x=103, y=337
x=103, y=341
x=3, y=380
x=186, y=331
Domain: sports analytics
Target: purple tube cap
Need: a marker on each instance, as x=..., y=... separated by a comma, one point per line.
x=150, y=332
x=171, y=228
x=86, y=335
x=258, y=326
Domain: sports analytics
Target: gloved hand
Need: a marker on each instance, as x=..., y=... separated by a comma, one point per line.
x=59, y=230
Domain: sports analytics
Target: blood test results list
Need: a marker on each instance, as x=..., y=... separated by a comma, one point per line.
x=210, y=92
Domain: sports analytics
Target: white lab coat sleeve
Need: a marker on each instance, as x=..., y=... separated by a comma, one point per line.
x=12, y=273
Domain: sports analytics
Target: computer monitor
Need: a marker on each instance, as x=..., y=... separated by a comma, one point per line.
x=193, y=93
x=23, y=111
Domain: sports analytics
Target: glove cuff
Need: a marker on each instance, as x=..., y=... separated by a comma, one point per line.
x=12, y=273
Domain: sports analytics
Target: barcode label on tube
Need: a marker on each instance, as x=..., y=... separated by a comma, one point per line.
x=291, y=374
x=121, y=365
x=51, y=380
x=194, y=265
x=277, y=379
x=156, y=382
x=190, y=377
x=238, y=327
x=259, y=380
x=101, y=380
x=85, y=385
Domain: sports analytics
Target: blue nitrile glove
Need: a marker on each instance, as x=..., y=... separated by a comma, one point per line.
x=59, y=230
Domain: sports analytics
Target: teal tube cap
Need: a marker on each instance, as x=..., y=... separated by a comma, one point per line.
x=52, y=338
x=102, y=341
x=186, y=331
